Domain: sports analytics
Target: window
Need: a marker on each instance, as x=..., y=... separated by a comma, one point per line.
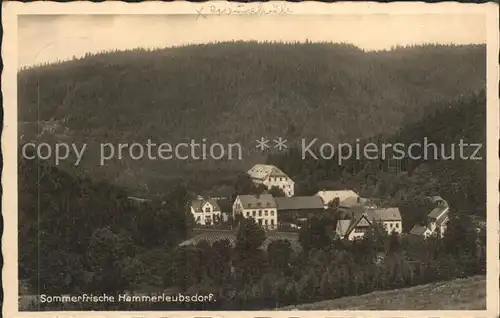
x=265, y=212
x=207, y=209
x=248, y=214
x=272, y=223
x=272, y=213
x=397, y=225
x=265, y=222
x=253, y=213
x=198, y=219
x=359, y=230
x=260, y=212
x=260, y=221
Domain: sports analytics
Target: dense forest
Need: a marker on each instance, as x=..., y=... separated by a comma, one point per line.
x=237, y=92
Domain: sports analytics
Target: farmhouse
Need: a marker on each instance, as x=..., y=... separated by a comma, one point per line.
x=436, y=220
x=362, y=220
x=291, y=210
x=205, y=212
x=270, y=176
x=261, y=208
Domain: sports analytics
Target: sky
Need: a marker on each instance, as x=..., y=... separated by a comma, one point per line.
x=48, y=38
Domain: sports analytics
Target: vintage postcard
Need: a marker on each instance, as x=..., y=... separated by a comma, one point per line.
x=254, y=160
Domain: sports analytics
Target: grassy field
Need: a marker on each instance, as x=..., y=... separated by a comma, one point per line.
x=459, y=294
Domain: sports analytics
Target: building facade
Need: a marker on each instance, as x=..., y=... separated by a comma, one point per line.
x=437, y=220
x=296, y=210
x=262, y=208
x=206, y=211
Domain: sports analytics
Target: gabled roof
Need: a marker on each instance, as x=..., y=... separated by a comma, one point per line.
x=262, y=172
x=352, y=201
x=418, y=230
x=343, y=226
x=329, y=195
x=357, y=218
x=198, y=204
x=442, y=219
x=249, y=201
x=388, y=214
x=438, y=212
x=372, y=215
x=299, y=203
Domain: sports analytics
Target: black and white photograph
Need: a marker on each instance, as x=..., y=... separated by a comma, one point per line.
x=250, y=157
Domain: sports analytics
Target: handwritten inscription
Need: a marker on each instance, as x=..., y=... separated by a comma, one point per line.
x=244, y=9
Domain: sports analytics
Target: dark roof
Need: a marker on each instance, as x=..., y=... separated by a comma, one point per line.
x=418, y=230
x=299, y=203
x=436, y=212
x=212, y=236
x=257, y=201
x=199, y=203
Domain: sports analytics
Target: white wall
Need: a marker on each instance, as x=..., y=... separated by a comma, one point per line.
x=202, y=217
x=271, y=217
x=284, y=183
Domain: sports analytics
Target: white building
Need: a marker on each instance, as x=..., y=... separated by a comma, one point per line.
x=270, y=176
x=437, y=219
x=206, y=212
x=261, y=208
x=329, y=195
x=360, y=222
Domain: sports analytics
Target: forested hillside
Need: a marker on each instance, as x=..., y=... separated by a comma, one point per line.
x=77, y=234
x=461, y=182
x=238, y=92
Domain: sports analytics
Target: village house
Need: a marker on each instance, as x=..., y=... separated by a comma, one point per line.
x=363, y=219
x=328, y=196
x=270, y=176
x=436, y=220
x=298, y=209
x=261, y=208
x=206, y=211
x=347, y=201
